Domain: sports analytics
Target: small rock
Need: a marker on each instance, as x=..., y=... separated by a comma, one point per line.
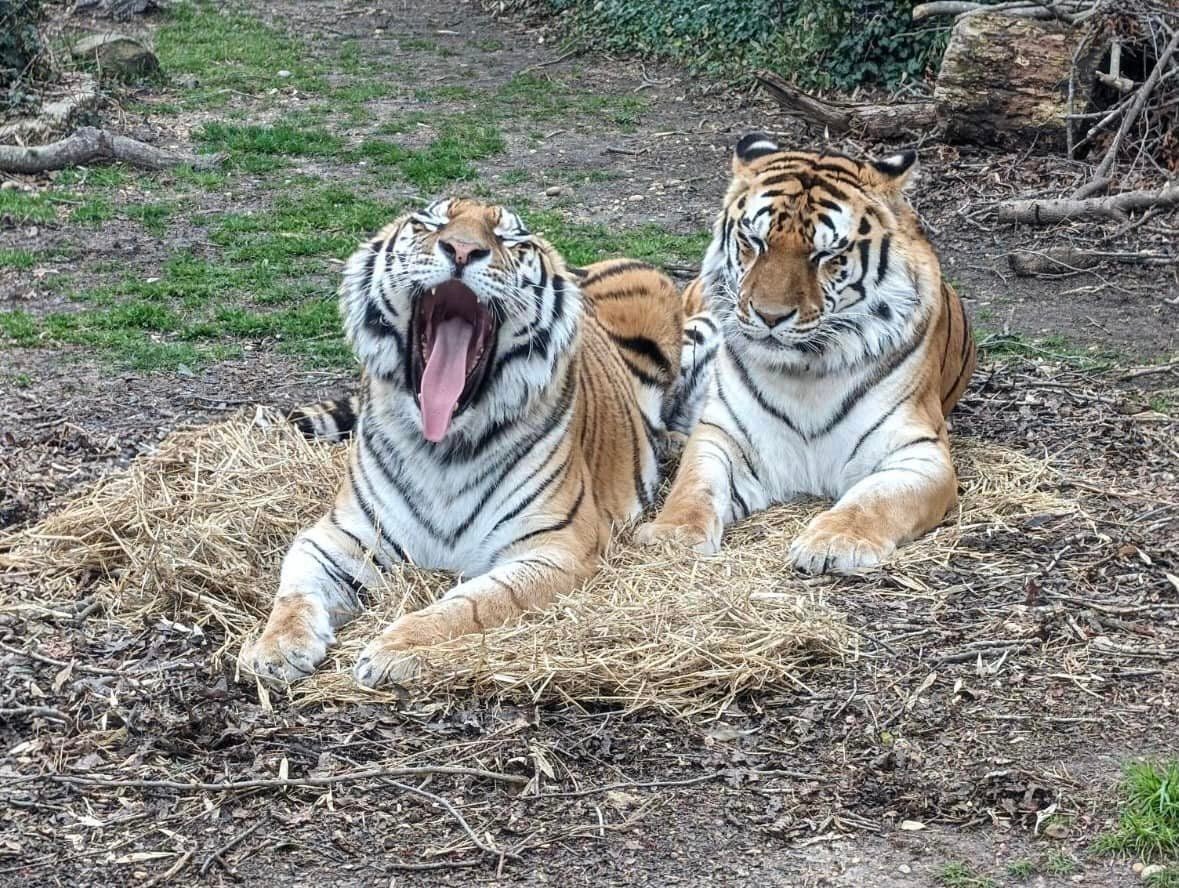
x=1056, y=831
x=912, y=825
x=1138, y=868
x=117, y=54
x=284, y=74
x=1153, y=870
x=904, y=868
x=635, y=198
x=9, y=185
x=552, y=191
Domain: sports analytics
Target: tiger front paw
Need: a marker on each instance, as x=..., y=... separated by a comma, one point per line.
x=832, y=544
x=702, y=540
x=294, y=642
x=389, y=658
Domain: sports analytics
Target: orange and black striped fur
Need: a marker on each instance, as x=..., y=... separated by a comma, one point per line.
x=843, y=352
x=511, y=414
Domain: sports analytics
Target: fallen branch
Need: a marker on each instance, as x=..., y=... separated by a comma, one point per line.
x=1065, y=260
x=875, y=121
x=1140, y=97
x=1069, y=12
x=1050, y=212
x=278, y=783
x=91, y=145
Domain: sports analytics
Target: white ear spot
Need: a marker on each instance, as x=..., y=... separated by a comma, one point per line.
x=897, y=164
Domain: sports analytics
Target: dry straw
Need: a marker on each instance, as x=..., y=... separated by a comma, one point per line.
x=196, y=531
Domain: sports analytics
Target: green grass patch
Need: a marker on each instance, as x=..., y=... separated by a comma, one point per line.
x=582, y=244
x=447, y=159
x=1167, y=878
x=103, y=177
x=19, y=327
x=21, y=260
x=225, y=49
x=517, y=176
x=1014, y=345
x=1021, y=869
x=542, y=98
x=327, y=221
x=22, y=207
x=259, y=149
x=1060, y=863
x=404, y=123
x=152, y=216
x=93, y=210
x=962, y=875
x=205, y=180
x=1148, y=822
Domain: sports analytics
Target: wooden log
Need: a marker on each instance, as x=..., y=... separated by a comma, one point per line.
x=892, y=121
x=1068, y=260
x=90, y=145
x=1114, y=208
x=1006, y=81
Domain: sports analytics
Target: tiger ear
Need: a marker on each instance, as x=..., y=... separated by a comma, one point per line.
x=750, y=148
x=893, y=174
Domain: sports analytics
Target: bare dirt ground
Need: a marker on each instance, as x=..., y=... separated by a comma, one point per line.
x=993, y=714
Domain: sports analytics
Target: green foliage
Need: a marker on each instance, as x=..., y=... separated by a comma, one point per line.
x=20, y=47
x=820, y=44
x=1148, y=825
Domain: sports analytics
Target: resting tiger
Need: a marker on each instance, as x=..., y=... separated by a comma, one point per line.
x=843, y=352
x=512, y=412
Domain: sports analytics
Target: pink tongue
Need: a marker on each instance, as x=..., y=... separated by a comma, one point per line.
x=444, y=376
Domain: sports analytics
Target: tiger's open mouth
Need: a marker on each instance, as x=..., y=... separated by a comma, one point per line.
x=452, y=340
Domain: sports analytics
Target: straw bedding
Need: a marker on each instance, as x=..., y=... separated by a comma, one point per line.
x=196, y=531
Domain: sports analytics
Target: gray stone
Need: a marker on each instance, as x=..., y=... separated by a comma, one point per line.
x=117, y=54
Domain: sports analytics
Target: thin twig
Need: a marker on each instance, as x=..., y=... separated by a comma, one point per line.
x=453, y=812
x=556, y=61
x=652, y=784
x=276, y=783
x=230, y=845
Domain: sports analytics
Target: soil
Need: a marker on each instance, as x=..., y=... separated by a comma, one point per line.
x=942, y=722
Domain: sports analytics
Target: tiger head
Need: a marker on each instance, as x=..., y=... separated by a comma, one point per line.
x=462, y=312
x=816, y=259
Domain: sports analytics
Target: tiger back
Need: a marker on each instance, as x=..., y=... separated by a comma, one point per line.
x=510, y=417
x=843, y=352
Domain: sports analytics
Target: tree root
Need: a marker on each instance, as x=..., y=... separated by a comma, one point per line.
x=91, y=145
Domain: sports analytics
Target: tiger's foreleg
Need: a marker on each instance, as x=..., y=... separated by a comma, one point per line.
x=906, y=494
x=706, y=494
x=324, y=575
x=528, y=580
